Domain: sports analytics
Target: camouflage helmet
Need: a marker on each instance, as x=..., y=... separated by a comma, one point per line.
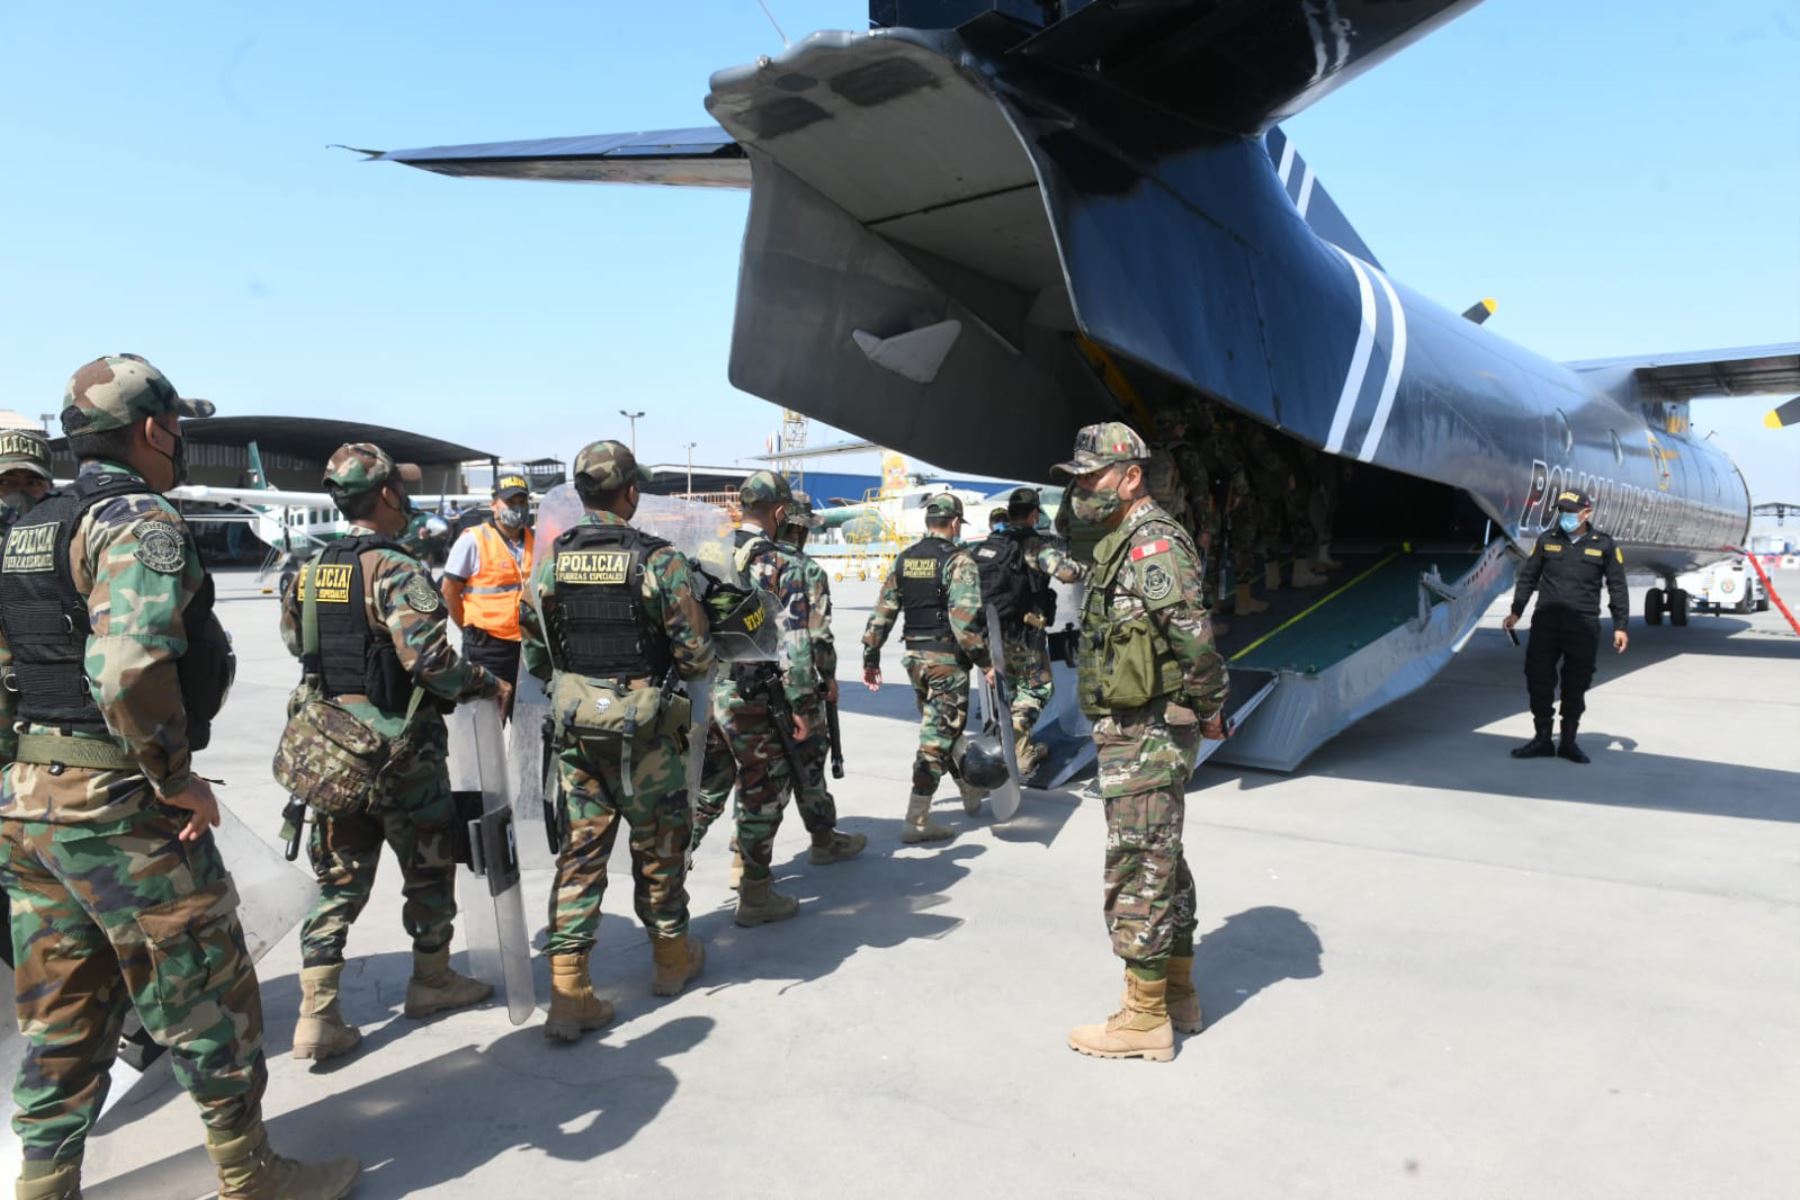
x=358, y=467
x=1169, y=417
x=996, y=517
x=24, y=450
x=1099, y=446
x=1161, y=477
x=609, y=466
x=765, y=487
x=801, y=514
x=119, y=389
x=944, y=506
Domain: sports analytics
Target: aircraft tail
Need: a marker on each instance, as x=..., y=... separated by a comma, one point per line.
x=894, y=475
x=259, y=479
x=1316, y=206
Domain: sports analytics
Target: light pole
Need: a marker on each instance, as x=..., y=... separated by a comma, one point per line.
x=690, y=450
x=633, y=418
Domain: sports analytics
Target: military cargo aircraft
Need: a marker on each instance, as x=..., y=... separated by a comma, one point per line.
x=1058, y=213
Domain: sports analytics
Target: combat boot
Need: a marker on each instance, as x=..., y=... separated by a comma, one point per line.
x=574, y=1008
x=676, y=961
x=760, y=904
x=58, y=1181
x=1306, y=577
x=321, y=1033
x=972, y=797
x=1272, y=576
x=837, y=847
x=1567, y=747
x=1323, y=559
x=734, y=874
x=1183, y=1000
x=1140, y=1029
x=1540, y=745
x=1244, y=604
x=435, y=988
x=250, y=1170
x=919, y=825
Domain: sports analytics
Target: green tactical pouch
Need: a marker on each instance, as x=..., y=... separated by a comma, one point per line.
x=329, y=758
x=1131, y=667
x=605, y=712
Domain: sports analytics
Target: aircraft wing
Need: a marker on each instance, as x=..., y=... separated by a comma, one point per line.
x=700, y=157
x=1745, y=371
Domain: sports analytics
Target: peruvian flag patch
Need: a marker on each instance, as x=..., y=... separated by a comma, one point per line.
x=1159, y=546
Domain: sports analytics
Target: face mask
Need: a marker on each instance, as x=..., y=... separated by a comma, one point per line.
x=178, y=459
x=1095, y=506
x=513, y=518
x=1570, y=522
x=16, y=500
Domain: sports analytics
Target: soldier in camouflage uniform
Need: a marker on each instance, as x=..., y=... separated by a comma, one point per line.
x=747, y=720
x=587, y=608
x=1154, y=686
x=936, y=584
x=119, y=896
x=24, y=472
x=397, y=644
x=1026, y=648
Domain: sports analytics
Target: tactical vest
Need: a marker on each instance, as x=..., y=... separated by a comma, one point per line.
x=598, y=626
x=354, y=658
x=924, y=596
x=47, y=624
x=1123, y=663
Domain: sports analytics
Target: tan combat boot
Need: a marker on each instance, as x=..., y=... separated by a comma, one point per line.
x=1305, y=576
x=49, y=1181
x=919, y=826
x=435, y=988
x=574, y=1008
x=1141, y=1029
x=1183, y=1000
x=1323, y=559
x=1271, y=576
x=760, y=904
x=1244, y=604
x=837, y=848
x=321, y=1033
x=676, y=960
x=250, y=1170
x=734, y=874
x=972, y=798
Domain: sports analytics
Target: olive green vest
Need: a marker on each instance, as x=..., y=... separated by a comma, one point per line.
x=1123, y=664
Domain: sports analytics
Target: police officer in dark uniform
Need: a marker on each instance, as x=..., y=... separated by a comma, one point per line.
x=1566, y=568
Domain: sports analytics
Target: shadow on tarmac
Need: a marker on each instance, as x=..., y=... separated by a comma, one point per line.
x=1253, y=950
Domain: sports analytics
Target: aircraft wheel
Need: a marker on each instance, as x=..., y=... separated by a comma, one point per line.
x=1678, y=607
x=1762, y=603
x=1653, y=606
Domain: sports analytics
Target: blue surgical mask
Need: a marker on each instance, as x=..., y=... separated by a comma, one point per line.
x=1570, y=522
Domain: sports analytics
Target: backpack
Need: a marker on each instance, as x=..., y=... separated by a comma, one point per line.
x=1006, y=581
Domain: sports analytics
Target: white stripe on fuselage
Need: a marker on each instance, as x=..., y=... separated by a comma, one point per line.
x=1287, y=158
x=1359, y=361
x=1306, y=187
x=1396, y=363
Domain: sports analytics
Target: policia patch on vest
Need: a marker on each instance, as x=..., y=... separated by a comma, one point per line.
x=159, y=547
x=596, y=567
x=421, y=596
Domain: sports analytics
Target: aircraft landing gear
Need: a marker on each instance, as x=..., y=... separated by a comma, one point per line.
x=1666, y=599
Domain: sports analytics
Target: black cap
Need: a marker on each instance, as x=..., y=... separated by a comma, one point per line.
x=1024, y=498
x=1572, y=501
x=509, y=486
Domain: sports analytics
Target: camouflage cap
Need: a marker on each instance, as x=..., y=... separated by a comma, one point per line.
x=114, y=391
x=1101, y=445
x=765, y=487
x=1025, y=498
x=996, y=516
x=24, y=450
x=358, y=467
x=609, y=465
x=944, y=505
x=801, y=513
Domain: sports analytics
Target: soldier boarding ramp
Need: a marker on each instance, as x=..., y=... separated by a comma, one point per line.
x=1319, y=660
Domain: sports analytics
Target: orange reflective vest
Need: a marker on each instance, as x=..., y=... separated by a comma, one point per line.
x=491, y=596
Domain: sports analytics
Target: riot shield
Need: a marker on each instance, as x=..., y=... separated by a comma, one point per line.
x=526, y=771
x=1007, y=796
x=488, y=893
x=273, y=895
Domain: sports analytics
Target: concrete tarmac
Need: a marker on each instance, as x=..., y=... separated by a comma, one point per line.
x=1428, y=970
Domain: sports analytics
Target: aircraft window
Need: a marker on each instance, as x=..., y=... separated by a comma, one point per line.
x=1618, y=447
x=1568, y=433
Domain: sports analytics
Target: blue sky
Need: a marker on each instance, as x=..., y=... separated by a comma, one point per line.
x=1621, y=174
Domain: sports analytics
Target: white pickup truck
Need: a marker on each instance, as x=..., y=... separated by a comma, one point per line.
x=1728, y=586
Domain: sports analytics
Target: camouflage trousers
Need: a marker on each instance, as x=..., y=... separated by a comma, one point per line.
x=1028, y=678
x=1244, y=526
x=764, y=776
x=119, y=914
x=416, y=819
x=941, y=687
x=1146, y=757
x=1302, y=532
x=719, y=774
x=594, y=802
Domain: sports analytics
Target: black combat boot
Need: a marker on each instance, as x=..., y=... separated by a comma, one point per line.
x=1540, y=745
x=1567, y=747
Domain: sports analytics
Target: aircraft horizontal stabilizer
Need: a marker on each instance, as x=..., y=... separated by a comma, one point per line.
x=1784, y=414
x=1745, y=371
x=699, y=157
x=1480, y=311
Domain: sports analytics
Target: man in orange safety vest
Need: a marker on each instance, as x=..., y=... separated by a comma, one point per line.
x=485, y=577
